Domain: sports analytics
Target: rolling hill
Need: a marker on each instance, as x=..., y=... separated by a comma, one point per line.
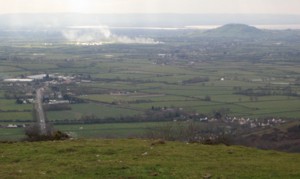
x=236, y=30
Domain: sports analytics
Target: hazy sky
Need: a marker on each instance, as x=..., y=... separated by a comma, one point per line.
x=152, y=6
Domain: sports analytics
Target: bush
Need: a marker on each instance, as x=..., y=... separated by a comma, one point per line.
x=32, y=131
x=33, y=134
x=207, y=98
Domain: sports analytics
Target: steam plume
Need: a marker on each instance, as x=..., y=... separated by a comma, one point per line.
x=102, y=35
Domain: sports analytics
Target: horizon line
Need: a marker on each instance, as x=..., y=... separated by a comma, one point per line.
x=165, y=13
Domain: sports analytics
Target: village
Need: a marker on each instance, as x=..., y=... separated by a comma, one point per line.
x=30, y=83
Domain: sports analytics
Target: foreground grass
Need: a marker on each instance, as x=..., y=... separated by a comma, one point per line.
x=133, y=158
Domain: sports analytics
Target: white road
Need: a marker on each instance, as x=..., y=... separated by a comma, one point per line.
x=40, y=111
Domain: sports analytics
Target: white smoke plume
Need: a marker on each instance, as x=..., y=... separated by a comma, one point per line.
x=102, y=35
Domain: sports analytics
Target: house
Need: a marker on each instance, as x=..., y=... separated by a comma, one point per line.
x=12, y=126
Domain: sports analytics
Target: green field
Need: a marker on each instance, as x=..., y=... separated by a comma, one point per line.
x=140, y=159
x=250, y=79
x=114, y=130
x=168, y=91
x=6, y=105
x=144, y=84
x=16, y=116
x=11, y=134
x=81, y=110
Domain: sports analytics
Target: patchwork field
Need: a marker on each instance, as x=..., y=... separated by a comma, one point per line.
x=195, y=74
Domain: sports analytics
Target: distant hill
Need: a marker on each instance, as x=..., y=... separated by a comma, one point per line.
x=236, y=30
x=140, y=20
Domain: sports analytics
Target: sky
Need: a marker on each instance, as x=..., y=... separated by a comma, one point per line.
x=152, y=6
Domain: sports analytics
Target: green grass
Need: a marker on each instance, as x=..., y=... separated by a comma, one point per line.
x=11, y=134
x=8, y=69
x=138, y=159
x=12, y=116
x=112, y=130
x=1, y=94
x=97, y=110
x=133, y=97
x=6, y=105
x=118, y=130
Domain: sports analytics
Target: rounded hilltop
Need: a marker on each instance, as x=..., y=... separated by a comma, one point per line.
x=235, y=30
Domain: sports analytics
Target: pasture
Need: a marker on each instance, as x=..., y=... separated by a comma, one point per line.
x=130, y=80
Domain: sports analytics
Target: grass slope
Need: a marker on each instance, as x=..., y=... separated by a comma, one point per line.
x=133, y=158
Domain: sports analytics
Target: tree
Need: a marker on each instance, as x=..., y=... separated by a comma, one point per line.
x=19, y=101
x=207, y=98
x=220, y=113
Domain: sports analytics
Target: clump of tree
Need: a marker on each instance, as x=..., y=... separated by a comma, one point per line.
x=207, y=98
x=73, y=99
x=33, y=134
x=196, y=80
x=221, y=113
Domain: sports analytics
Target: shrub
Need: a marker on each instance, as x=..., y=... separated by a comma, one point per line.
x=33, y=134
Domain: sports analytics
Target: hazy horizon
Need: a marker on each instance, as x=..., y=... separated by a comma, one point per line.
x=143, y=20
x=151, y=6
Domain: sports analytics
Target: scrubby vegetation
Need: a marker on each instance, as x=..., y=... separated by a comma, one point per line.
x=191, y=132
x=33, y=134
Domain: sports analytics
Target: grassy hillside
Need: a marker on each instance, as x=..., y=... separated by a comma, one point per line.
x=133, y=158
